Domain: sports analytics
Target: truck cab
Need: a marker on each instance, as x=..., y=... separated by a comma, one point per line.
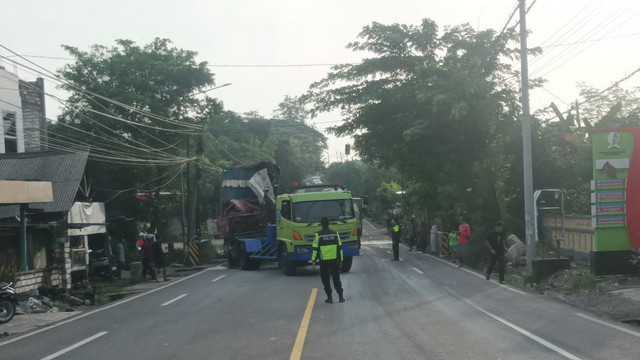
x=298, y=217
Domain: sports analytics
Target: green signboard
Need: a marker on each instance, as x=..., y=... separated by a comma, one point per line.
x=612, y=153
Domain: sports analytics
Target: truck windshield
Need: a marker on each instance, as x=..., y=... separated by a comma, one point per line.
x=312, y=211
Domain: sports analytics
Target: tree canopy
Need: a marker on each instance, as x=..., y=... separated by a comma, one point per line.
x=439, y=107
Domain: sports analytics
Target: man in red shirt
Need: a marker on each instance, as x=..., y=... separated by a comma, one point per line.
x=464, y=232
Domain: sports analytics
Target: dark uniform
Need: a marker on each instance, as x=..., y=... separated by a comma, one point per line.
x=395, y=240
x=327, y=248
x=497, y=241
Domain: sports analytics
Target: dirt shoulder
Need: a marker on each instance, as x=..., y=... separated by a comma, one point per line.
x=615, y=296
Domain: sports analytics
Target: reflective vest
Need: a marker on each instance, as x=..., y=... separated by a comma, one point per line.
x=395, y=236
x=327, y=246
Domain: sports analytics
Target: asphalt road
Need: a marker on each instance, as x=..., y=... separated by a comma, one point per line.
x=418, y=308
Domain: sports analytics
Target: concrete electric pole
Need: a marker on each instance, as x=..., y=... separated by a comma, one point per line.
x=526, y=141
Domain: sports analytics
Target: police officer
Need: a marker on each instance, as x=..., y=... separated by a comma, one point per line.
x=395, y=240
x=327, y=248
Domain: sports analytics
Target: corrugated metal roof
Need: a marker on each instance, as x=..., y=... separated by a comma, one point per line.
x=64, y=170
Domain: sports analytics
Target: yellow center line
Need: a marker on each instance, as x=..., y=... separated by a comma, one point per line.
x=304, y=326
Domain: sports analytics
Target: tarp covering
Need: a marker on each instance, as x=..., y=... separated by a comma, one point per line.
x=259, y=183
x=87, y=218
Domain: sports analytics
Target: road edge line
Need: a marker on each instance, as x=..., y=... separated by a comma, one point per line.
x=74, y=346
x=517, y=328
x=478, y=275
x=80, y=316
x=296, y=353
x=613, y=326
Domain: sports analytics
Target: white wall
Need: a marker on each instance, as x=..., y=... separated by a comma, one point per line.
x=10, y=102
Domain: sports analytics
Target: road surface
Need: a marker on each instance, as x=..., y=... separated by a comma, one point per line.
x=418, y=308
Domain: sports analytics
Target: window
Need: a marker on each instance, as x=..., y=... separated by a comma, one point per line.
x=312, y=211
x=286, y=209
x=10, y=139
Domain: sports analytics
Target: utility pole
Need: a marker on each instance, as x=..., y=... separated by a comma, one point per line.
x=526, y=141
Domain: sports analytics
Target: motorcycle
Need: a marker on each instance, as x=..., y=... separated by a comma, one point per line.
x=8, y=302
x=103, y=265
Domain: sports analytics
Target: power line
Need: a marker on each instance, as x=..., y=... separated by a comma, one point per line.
x=596, y=40
x=510, y=18
x=66, y=102
x=568, y=56
x=115, y=102
x=118, y=143
x=277, y=65
x=600, y=93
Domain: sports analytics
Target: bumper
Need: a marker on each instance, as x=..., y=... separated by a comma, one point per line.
x=304, y=252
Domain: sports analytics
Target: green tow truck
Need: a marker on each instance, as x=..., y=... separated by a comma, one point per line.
x=259, y=226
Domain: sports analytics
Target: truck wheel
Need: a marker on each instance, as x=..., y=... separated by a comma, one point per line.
x=283, y=261
x=255, y=264
x=346, y=264
x=243, y=258
x=233, y=261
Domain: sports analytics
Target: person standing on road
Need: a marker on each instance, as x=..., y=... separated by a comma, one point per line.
x=464, y=232
x=148, y=265
x=497, y=244
x=159, y=257
x=120, y=253
x=327, y=248
x=395, y=239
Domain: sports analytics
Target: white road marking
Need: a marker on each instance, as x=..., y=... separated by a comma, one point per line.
x=218, y=278
x=370, y=224
x=100, y=309
x=418, y=270
x=480, y=276
x=631, y=332
x=515, y=327
x=174, y=300
x=74, y=346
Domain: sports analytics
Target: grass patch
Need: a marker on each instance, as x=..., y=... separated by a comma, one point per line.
x=62, y=306
x=106, y=289
x=584, y=282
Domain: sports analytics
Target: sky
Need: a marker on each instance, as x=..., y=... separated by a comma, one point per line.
x=590, y=41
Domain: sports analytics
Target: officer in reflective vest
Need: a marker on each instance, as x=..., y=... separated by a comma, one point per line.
x=395, y=240
x=327, y=248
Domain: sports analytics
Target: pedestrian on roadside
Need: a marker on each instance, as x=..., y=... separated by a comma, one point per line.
x=453, y=243
x=148, y=264
x=327, y=249
x=120, y=254
x=395, y=239
x=464, y=232
x=159, y=259
x=422, y=237
x=139, y=243
x=497, y=244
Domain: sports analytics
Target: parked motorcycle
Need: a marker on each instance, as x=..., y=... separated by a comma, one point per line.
x=100, y=264
x=8, y=302
x=635, y=258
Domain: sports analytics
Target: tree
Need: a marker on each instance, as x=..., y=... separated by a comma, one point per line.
x=439, y=108
x=131, y=104
x=291, y=109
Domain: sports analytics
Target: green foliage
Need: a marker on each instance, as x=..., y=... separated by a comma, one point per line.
x=9, y=273
x=387, y=195
x=291, y=109
x=436, y=106
x=141, y=141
